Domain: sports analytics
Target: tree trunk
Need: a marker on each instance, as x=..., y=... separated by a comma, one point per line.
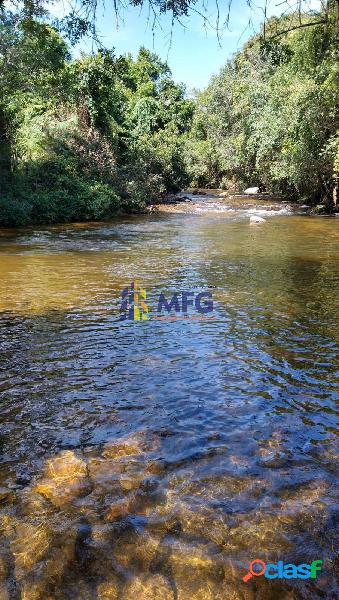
x=336, y=192
x=5, y=148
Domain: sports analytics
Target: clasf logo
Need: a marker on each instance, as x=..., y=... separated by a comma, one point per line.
x=283, y=571
x=169, y=307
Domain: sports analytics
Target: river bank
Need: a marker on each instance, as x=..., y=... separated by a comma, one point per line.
x=202, y=200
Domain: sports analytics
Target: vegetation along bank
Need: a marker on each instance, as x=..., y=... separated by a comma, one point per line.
x=91, y=137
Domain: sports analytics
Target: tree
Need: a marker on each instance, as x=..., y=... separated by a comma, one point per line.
x=87, y=137
x=32, y=59
x=272, y=112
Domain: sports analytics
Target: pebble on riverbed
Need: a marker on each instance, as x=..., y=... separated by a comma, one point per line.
x=127, y=447
x=154, y=587
x=7, y=495
x=65, y=478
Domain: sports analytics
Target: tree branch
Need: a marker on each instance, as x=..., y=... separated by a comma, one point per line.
x=322, y=22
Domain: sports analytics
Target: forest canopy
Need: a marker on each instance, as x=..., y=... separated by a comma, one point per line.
x=271, y=115
x=85, y=138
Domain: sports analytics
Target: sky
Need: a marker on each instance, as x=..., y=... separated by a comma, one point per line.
x=193, y=52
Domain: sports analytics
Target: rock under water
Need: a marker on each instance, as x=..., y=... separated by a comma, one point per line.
x=256, y=219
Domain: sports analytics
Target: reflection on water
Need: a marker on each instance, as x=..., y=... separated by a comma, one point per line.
x=154, y=460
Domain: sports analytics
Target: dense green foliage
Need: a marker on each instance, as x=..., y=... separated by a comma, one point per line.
x=270, y=117
x=86, y=138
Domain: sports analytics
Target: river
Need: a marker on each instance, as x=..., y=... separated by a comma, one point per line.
x=155, y=459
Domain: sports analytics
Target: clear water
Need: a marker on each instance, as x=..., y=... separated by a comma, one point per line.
x=156, y=459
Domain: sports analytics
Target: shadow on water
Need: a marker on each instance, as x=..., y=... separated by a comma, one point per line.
x=155, y=460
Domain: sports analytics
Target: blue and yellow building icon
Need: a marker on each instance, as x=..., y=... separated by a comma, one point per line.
x=133, y=303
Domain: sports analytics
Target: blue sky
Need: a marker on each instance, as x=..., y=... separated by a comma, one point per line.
x=193, y=53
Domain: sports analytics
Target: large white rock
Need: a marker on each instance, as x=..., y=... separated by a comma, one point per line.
x=256, y=219
x=252, y=190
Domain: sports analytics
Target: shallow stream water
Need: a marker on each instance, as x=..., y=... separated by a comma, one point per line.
x=156, y=459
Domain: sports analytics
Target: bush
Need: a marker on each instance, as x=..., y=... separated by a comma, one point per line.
x=88, y=138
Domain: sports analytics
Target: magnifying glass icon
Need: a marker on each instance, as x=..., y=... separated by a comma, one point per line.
x=255, y=573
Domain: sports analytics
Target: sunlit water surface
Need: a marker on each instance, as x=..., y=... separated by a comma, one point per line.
x=155, y=459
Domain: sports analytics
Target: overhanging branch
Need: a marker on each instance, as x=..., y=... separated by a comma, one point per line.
x=299, y=26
